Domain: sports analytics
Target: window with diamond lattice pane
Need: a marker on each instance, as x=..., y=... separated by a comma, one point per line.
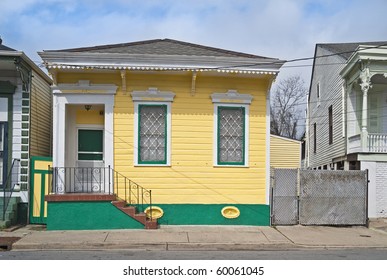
x=231, y=134
x=152, y=133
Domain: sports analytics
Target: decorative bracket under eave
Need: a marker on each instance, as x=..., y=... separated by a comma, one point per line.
x=53, y=75
x=193, y=83
x=123, y=80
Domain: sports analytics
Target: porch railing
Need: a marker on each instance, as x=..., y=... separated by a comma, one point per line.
x=82, y=180
x=103, y=180
x=11, y=182
x=377, y=143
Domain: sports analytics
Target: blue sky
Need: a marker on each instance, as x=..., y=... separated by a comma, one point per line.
x=285, y=29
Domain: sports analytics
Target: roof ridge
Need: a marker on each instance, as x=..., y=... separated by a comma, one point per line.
x=346, y=49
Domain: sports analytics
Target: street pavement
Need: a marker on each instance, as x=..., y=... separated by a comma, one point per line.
x=201, y=238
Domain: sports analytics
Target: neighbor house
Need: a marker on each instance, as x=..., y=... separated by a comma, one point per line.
x=25, y=129
x=284, y=152
x=347, y=115
x=181, y=127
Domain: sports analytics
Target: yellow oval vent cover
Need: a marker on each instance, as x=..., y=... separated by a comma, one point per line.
x=157, y=212
x=230, y=212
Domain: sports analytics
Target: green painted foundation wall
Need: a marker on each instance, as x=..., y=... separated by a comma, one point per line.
x=103, y=215
x=210, y=214
x=87, y=216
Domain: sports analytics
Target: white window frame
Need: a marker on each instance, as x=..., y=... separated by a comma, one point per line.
x=231, y=99
x=152, y=96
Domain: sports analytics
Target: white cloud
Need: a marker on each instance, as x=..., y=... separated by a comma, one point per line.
x=283, y=29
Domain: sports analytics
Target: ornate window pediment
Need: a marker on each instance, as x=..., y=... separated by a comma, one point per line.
x=153, y=94
x=231, y=96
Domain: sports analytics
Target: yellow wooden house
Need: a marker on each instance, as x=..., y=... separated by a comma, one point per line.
x=176, y=130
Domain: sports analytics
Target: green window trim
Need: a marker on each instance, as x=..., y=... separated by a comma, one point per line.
x=242, y=162
x=139, y=147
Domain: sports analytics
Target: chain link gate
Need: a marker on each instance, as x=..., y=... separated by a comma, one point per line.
x=284, y=197
x=333, y=197
x=318, y=197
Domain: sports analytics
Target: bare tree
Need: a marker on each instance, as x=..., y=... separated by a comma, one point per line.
x=288, y=102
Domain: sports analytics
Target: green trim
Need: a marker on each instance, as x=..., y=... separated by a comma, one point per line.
x=219, y=162
x=91, y=215
x=41, y=219
x=35, y=158
x=103, y=215
x=210, y=214
x=165, y=107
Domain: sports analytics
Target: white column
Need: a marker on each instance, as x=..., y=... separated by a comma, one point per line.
x=59, y=130
x=365, y=85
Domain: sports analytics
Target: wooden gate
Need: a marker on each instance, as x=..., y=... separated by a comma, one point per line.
x=40, y=181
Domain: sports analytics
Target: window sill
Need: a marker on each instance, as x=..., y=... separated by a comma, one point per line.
x=231, y=165
x=148, y=164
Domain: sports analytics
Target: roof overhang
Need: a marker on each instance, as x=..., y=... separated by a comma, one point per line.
x=26, y=59
x=366, y=54
x=152, y=62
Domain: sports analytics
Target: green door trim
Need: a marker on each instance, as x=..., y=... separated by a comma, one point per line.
x=43, y=173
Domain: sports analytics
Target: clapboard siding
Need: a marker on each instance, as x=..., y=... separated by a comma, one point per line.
x=284, y=152
x=326, y=73
x=192, y=177
x=41, y=117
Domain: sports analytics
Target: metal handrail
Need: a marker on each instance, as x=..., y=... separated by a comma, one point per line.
x=132, y=193
x=9, y=186
x=101, y=180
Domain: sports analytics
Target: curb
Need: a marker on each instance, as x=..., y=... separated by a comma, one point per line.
x=181, y=246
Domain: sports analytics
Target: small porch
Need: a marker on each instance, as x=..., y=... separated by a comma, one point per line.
x=91, y=189
x=84, y=182
x=366, y=113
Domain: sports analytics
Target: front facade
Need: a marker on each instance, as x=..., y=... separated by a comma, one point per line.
x=184, y=121
x=346, y=128
x=25, y=127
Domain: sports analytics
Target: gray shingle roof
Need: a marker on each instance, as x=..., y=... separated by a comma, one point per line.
x=161, y=47
x=347, y=49
x=4, y=48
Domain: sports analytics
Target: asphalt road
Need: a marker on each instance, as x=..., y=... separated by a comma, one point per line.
x=309, y=254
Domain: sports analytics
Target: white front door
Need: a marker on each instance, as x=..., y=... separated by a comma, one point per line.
x=90, y=170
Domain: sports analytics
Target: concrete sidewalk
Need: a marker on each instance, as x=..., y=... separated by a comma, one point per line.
x=201, y=238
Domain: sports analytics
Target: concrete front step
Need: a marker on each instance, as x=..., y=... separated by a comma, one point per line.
x=132, y=212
